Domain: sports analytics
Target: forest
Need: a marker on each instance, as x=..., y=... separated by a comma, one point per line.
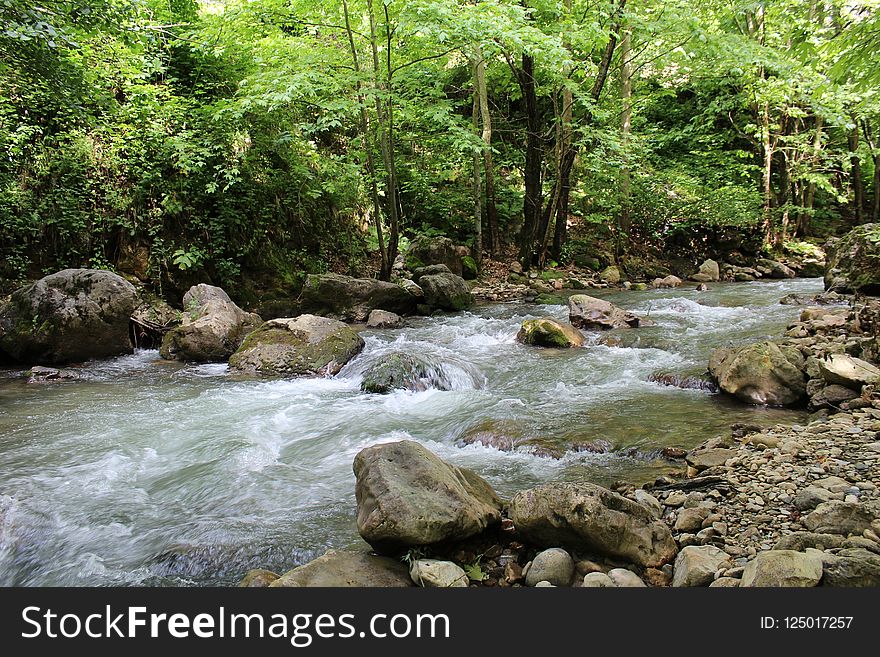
x=248, y=143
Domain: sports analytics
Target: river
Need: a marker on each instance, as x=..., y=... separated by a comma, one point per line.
x=145, y=472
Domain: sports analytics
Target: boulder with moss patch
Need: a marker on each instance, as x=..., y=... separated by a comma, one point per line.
x=547, y=332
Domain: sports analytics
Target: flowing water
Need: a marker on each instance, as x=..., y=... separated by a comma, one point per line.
x=156, y=473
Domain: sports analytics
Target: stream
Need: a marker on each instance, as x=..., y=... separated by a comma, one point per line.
x=147, y=472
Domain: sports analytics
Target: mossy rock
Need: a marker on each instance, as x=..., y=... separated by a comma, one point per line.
x=469, y=269
x=547, y=332
x=401, y=372
x=551, y=300
x=551, y=275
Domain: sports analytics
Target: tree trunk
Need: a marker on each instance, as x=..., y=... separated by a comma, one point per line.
x=476, y=188
x=385, y=271
x=625, y=130
x=533, y=164
x=810, y=193
x=767, y=174
x=856, y=174
x=488, y=165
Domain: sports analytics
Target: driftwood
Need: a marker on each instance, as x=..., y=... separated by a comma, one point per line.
x=146, y=334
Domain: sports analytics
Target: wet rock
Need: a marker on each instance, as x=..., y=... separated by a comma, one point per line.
x=709, y=272
x=697, y=565
x=347, y=569
x=785, y=568
x=836, y=517
x=554, y=565
x=407, y=496
x=598, y=581
x=683, y=381
x=212, y=327
x=305, y=346
x=625, y=579
x=585, y=312
x=352, y=299
x=594, y=518
x=667, y=282
x=382, y=319
x=508, y=435
x=70, y=316
x=762, y=373
x=446, y=292
x=852, y=261
x=774, y=269
x=547, y=332
x=40, y=374
x=852, y=568
x=848, y=371
x=433, y=573
x=258, y=578
x=398, y=371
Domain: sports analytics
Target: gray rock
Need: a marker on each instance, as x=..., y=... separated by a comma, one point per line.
x=407, y=496
x=836, y=517
x=649, y=501
x=347, y=569
x=852, y=568
x=426, y=250
x=70, y=316
x=585, y=312
x=709, y=272
x=775, y=269
x=697, y=565
x=598, y=581
x=433, y=573
x=305, y=346
x=691, y=519
x=785, y=568
x=382, y=319
x=543, y=584
x=800, y=541
x=625, y=579
x=398, y=371
x=587, y=516
x=352, y=299
x=851, y=262
x=212, y=327
x=848, y=371
x=762, y=373
x=725, y=582
x=446, y=292
x=831, y=396
x=547, y=332
x=554, y=565
x=811, y=497
x=701, y=459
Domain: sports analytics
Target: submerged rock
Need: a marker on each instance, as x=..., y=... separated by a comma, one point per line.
x=347, y=569
x=585, y=312
x=589, y=517
x=213, y=327
x=258, y=578
x=304, y=346
x=547, y=332
x=39, y=374
x=762, y=373
x=403, y=372
x=407, y=496
x=70, y=316
x=508, y=436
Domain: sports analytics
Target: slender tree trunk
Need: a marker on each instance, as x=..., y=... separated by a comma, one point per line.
x=767, y=174
x=533, y=164
x=810, y=193
x=868, y=132
x=625, y=130
x=783, y=197
x=488, y=165
x=856, y=174
x=476, y=186
x=385, y=271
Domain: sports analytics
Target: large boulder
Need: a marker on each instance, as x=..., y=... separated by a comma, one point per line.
x=761, y=373
x=547, y=332
x=426, y=250
x=848, y=371
x=839, y=517
x=709, y=272
x=851, y=262
x=399, y=371
x=347, y=569
x=785, y=568
x=303, y=346
x=352, y=299
x=585, y=312
x=588, y=517
x=446, y=291
x=407, y=496
x=213, y=327
x=69, y=316
x=851, y=567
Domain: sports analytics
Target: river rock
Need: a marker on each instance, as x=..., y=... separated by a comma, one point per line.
x=610, y=274
x=258, y=578
x=554, y=565
x=382, y=319
x=762, y=373
x=212, y=327
x=347, y=569
x=851, y=263
x=425, y=250
x=774, y=269
x=648, y=501
x=598, y=581
x=697, y=565
x=70, y=316
x=303, y=346
x=852, y=567
x=831, y=396
x=588, y=516
x=585, y=312
x=407, y=496
x=670, y=281
x=547, y=332
x=433, y=573
x=785, y=568
x=702, y=459
x=625, y=579
x=837, y=517
x=725, y=583
x=40, y=374
x=398, y=371
x=509, y=435
x=800, y=541
x=691, y=520
x=848, y=371
x=812, y=496
x=709, y=272
x=446, y=291
x=352, y=299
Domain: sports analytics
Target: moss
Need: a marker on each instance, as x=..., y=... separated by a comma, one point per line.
x=551, y=275
x=546, y=332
